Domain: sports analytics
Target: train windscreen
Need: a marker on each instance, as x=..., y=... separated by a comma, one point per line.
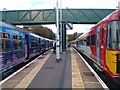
x=113, y=39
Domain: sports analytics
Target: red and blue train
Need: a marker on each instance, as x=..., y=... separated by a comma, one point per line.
x=102, y=44
x=18, y=46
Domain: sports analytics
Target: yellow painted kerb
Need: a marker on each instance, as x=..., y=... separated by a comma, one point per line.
x=77, y=81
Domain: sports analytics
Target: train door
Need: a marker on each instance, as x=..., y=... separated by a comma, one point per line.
x=26, y=47
x=102, y=47
x=98, y=46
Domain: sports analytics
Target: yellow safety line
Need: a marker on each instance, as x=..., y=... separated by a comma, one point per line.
x=77, y=81
x=27, y=80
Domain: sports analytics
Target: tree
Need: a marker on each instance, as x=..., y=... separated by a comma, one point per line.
x=73, y=36
x=42, y=31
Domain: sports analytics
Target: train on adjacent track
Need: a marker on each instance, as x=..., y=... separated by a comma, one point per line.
x=18, y=46
x=102, y=44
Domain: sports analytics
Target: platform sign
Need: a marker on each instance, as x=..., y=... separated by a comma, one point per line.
x=69, y=26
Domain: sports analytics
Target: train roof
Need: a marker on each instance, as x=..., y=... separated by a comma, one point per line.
x=35, y=35
x=115, y=15
x=6, y=25
x=3, y=24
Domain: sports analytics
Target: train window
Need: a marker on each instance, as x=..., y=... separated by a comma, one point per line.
x=20, y=37
x=0, y=41
x=36, y=44
x=15, y=45
x=42, y=42
x=6, y=35
x=102, y=35
x=93, y=39
x=5, y=42
x=32, y=44
x=5, y=45
x=113, y=39
x=0, y=45
x=19, y=42
x=88, y=40
x=0, y=34
x=15, y=37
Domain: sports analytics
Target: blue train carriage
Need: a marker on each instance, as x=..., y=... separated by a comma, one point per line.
x=50, y=43
x=43, y=45
x=12, y=48
x=46, y=43
x=34, y=45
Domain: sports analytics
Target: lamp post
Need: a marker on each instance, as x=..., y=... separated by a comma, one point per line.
x=57, y=34
x=61, y=26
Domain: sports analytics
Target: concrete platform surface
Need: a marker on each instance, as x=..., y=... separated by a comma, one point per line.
x=71, y=72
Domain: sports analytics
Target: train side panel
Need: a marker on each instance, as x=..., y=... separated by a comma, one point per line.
x=34, y=45
x=13, y=50
x=104, y=42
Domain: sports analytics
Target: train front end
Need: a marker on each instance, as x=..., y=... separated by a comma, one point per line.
x=113, y=46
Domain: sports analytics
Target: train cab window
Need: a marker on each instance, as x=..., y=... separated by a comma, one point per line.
x=93, y=40
x=113, y=36
x=5, y=42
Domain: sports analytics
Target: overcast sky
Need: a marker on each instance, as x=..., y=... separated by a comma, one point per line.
x=50, y=4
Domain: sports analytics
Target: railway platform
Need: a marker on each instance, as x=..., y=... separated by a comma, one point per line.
x=44, y=72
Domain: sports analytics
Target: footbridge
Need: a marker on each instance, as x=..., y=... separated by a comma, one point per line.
x=48, y=16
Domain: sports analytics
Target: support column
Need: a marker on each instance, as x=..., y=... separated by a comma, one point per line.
x=60, y=37
x=57, y=34
x=63, y=37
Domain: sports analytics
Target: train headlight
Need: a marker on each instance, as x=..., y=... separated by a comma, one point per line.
x=118, y=57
